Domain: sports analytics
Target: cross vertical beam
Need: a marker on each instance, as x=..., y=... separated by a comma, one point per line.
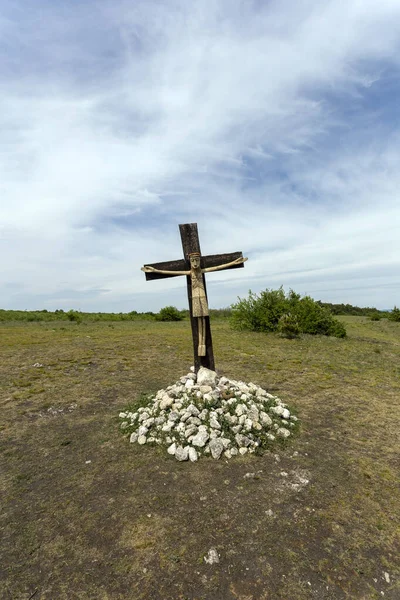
x=191, y=243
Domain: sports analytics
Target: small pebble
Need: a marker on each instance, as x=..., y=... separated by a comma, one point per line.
x=212, y=557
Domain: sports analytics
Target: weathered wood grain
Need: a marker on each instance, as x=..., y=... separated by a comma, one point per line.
x=212, y=260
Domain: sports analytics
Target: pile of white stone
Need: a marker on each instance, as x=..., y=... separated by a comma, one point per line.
x=210, y=415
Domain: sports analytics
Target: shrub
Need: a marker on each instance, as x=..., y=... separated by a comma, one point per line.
x=169, y=313
x=394, y=315
x=273, y=310
x=288, y=326
x=74, y=316
x=260, y=313
x=316, y=319
x=375, y=317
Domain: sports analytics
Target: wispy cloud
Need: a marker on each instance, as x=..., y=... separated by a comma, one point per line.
x=273, y=125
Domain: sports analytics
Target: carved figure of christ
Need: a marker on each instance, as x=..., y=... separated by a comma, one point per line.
x=196, y=288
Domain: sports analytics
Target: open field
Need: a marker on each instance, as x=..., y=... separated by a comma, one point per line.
x=86, y=515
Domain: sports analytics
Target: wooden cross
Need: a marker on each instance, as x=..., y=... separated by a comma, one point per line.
x=194, y=266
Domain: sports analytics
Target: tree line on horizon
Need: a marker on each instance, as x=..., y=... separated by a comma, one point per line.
x=171, y=313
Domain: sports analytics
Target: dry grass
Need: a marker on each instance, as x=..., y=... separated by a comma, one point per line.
x=135, y=524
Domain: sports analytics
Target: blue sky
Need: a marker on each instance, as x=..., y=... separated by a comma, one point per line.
x=274, y=125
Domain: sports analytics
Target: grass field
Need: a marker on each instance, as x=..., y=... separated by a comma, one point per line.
x=86, y=515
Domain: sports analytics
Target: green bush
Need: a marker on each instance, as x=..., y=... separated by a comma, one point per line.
x=273, y=310
x=169, y=313
x=260, y=312
x=394, y=315
x=375, y=317
x=288, y=326
x=74, y=316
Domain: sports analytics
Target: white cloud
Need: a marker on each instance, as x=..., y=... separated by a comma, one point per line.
x=123, y=119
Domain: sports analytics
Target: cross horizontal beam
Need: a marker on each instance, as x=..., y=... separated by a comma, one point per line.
x=212, y=260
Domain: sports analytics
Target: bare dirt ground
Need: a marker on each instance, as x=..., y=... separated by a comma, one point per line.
x=86, y=515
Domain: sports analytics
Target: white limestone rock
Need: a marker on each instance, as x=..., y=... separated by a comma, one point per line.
x=283, y=432
x=173, y=416
x=200, y=439
x=192, y=454
x=214, y=423
x=253, y=413
x=206, y=377
x=143, y=416
x=239, y=410
x=182, y=453
x=172, y=449
x=248, y=424
x=242, y=440
x=204, y=389
x=212, y=557
x=191, y=430
x=265, y=419
x=216, y=447
x=277, y=410
x=166, y=402
x=193, y=410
